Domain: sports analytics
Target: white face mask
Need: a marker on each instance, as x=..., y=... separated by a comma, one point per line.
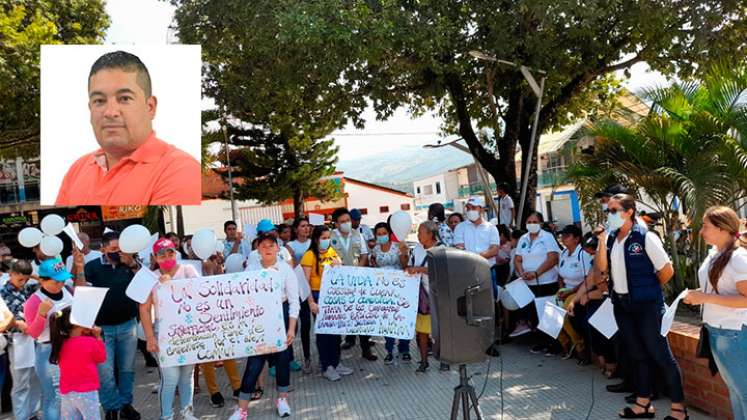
x=473, y=215
x=533, y=227
x=346, y=227
x=615, y=221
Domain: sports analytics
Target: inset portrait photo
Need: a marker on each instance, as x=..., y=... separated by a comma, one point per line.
x=120, y=125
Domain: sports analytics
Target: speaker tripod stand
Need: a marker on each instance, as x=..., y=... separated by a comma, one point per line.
x=464, y=394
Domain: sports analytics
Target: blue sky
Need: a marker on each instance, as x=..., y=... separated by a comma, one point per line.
x=147, y=22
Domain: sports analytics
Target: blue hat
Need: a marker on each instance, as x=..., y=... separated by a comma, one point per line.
x=54, y=269
x=265, y=225
x=355, y=214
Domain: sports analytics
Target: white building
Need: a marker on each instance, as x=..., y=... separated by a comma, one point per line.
x=375, y=202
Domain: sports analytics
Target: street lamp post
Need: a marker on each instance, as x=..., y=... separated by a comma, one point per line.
x=538, y=90
x=228, y=166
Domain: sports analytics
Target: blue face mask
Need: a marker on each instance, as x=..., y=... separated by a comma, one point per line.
x=382, y=239
x=323, y=244
x=614, y=221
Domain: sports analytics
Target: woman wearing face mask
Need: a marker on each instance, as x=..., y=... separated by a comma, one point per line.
x=453, y=220
x=723, y=294
x=388, y=255
x=536, y=262
x=173, y=377
x=320, y=255
x=638, y=266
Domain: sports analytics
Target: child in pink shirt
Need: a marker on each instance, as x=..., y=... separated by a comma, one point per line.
x=77, y=350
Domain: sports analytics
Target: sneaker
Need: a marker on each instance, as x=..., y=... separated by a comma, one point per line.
x=284, y=409
x=217, y=401
x=128, y=412
x=236, y=394
x=406, y=358
x=389, y=359
x=343, y=370
x=347, y=345
x=239, y=414
x=272, y=371
x=307, y=366
x=422, y=367
x=552, y=351
x=187, y=414
x=331, y=374
x=444, y=367
x=537, y=349
x=521, y=329
x=112, y=415
x=295, y=366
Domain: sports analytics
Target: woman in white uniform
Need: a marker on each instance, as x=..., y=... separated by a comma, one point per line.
x=723, y=294
x=575, y=264
x=536, y=262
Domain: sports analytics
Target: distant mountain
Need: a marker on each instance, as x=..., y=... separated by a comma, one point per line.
x=398, y=169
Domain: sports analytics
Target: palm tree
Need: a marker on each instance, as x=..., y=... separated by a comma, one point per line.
x=691, y=148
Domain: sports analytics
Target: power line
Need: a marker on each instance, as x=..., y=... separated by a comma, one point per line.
x=386, y=134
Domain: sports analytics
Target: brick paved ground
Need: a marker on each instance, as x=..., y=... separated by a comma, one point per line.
x=534, y=387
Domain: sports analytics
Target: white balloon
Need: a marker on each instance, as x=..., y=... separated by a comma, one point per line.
x=52, y=224
x=203, y=243
x=134, y=238
x=30, y=237
x=219, y=247
x=51, y=246
x=234, y=263
x=401, y=224
x=509, y=302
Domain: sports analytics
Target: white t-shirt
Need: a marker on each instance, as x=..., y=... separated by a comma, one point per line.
x=92, y=255
x=417, y=260
x=366, y=232
x=574, y=267
x=244, y=248
x=290, y=282
x=654, y=249
x=506, y=206
x=534, y=254
x=253, y=260
x=299, y=248
x=477, y=238
x=735, y=272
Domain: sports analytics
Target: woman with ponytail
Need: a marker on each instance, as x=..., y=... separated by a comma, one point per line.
x=723, y=294
x=638, y=266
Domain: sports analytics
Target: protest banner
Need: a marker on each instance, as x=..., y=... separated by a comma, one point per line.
x=223, y=317
x=367, y=301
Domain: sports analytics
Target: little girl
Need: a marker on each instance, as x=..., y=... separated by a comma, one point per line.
x=77, y=350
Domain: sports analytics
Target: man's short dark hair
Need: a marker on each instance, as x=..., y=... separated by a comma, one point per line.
x=503, y=186
x=108, y=237
x=338, y=213
x=228, y=223
x=21, y=267
x=127, y=62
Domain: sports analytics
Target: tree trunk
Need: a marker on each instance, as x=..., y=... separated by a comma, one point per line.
x=298, y=203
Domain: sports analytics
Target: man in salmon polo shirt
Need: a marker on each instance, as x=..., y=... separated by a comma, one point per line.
x=133, y=166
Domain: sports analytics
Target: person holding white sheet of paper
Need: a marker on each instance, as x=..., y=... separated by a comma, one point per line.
x=723, y=294
x=77, y=351
x=536, y=261
x=638, y=266
x=172, y=377
x=299, y=244
x=88, y=253
x=268, y=250
x=25, y=392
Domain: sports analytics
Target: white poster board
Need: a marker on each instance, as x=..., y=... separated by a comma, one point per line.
x=223, y=317
x=367, y=301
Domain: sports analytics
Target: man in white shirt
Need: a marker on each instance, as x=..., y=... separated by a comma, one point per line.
x=88, y=253
x=234, y=243
x=477, y=234
x=506, y=210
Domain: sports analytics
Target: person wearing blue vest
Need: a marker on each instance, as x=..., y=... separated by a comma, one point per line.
x=638, y=265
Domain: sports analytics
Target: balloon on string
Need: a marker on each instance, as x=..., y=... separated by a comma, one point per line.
x=401, y=224
x=52, y=224
x=51, y=246
x=234, y=263
x=30, y=237
x=219, y=247
x=134, y=238
x=203, y=243
x=508, y=302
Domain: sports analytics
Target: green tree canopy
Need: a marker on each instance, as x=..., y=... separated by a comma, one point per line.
x=26, y=25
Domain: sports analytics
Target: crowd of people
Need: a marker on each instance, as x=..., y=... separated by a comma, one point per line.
x=78, y=369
